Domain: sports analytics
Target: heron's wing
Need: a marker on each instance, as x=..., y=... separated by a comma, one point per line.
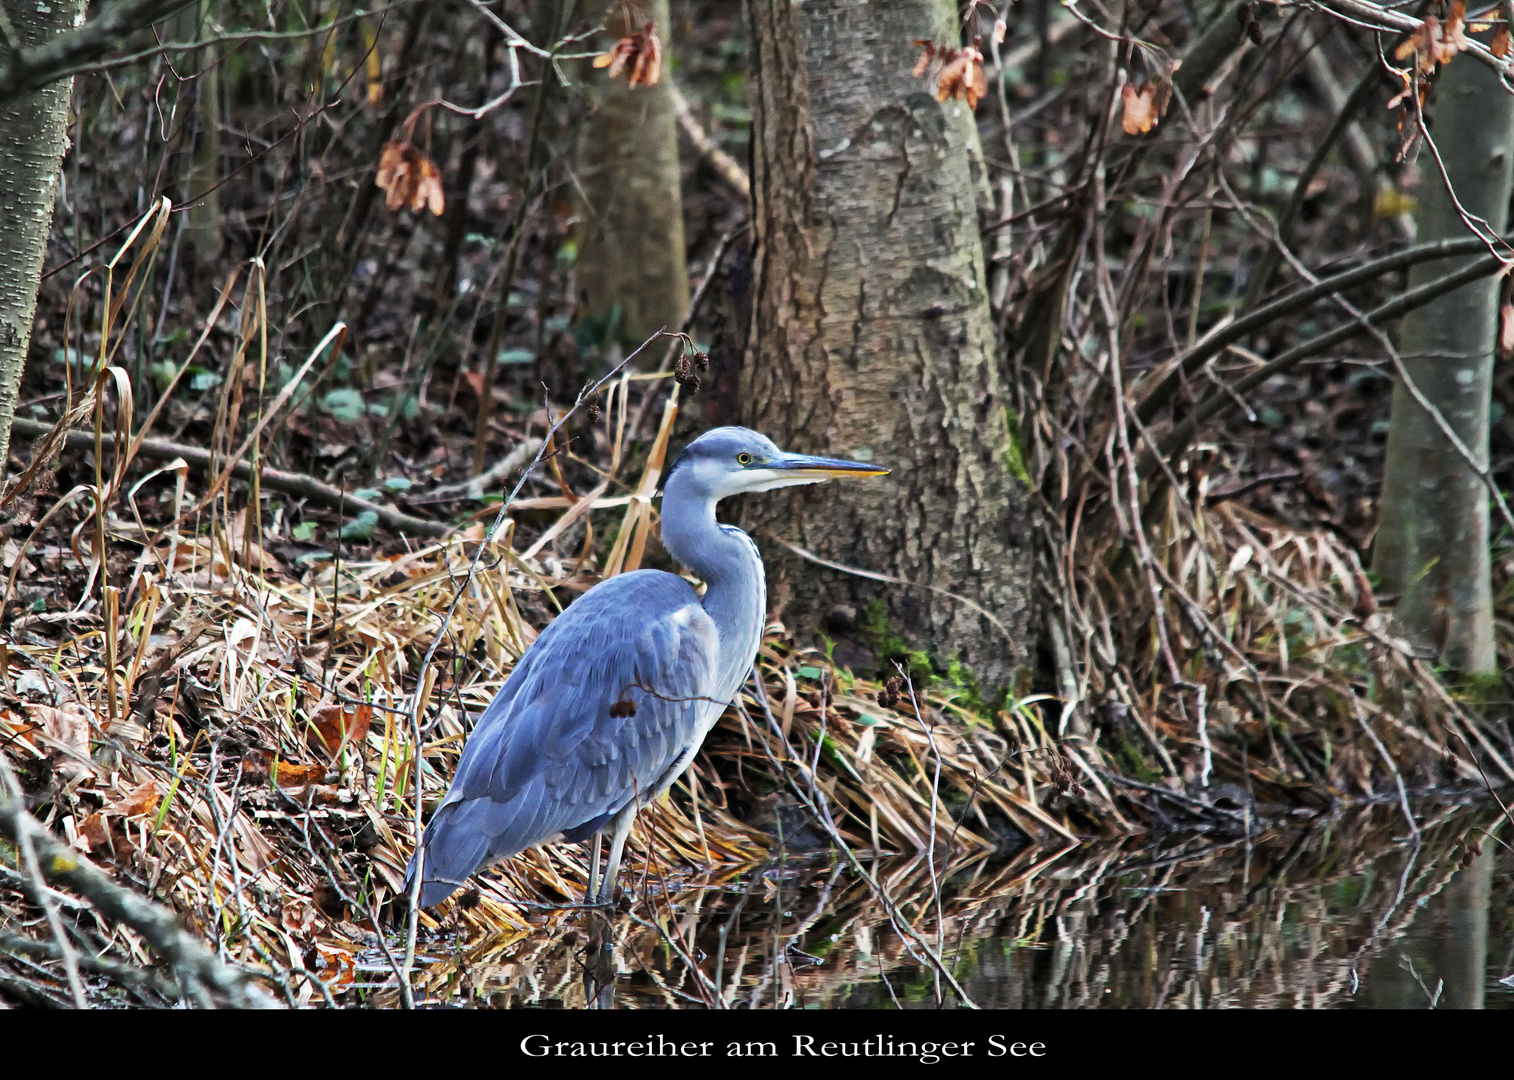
x=592, y=717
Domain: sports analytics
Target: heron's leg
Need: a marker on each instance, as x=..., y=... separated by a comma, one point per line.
x=593, y=868
x=623, y=822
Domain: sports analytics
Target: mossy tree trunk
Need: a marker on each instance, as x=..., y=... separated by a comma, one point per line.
x=631, y=249
x=33, y=137
x=872, y=338
x=1432, y=537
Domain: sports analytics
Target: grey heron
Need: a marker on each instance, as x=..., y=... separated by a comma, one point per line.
x=611, y=703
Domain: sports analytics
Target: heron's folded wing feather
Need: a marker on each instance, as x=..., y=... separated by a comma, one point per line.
x=592, y=717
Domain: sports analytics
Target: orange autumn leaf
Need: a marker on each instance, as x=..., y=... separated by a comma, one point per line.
x=138, y=802
x=638, y=55
x=927, y=54
x=97, y=832
x=1502, y=43
x=959, y=72
x=1434, y=42
x=410, y=179
x=1453, y=38
x=1138, y=112
x=331, y=723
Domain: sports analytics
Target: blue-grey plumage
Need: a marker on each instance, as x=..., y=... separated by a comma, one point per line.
x=612, y=701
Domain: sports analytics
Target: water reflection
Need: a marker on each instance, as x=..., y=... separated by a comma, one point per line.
x=1342, y=913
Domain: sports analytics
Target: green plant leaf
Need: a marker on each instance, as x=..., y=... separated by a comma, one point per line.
x=344, y=403
x=360, y=527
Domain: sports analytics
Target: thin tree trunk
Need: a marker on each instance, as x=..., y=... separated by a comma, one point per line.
x=33, y=137
x=1432, y=537
x=202, y=167
x=631, y=251
x=871, y=335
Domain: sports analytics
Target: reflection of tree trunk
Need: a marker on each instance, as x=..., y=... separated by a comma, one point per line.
x=1432, y=538
x=632, y=249
x=33, y=136
x=202, y=169
x=1462, y=958
x=871, y=333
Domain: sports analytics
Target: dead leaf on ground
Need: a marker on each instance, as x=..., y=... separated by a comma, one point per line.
x=409, y=178
x=298, y=915
x=138, y=802
x=244, y=549
x=638, y=55
x=104, y=829
x=330, y=723
x=65, y=730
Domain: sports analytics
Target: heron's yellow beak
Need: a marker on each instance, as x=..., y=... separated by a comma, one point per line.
x=819, y=468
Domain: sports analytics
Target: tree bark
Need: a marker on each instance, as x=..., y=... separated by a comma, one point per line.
x=202, y=165
x=33, y=137
x=631, y=251
x=872, y=339
x=1432, y=538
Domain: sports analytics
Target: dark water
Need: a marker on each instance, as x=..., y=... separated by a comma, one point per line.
x=1344, y=912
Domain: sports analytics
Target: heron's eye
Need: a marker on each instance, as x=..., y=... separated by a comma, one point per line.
x=743, y=459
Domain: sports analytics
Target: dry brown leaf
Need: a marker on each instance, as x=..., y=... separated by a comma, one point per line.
x=138, y=802
x=298, y=915
x=927, y=54
x=10, y=554
x=1454, y=38
x=291, y=774
x=245, y=551
x=960, y=76
x=66, y=731
x=1434, y=42
x=330, y=722
x=103, y=829
x=1138, y=113
x=409, y=178
x=94, y=833
x=638, y=55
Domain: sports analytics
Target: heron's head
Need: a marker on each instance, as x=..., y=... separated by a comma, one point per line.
x=733, y=460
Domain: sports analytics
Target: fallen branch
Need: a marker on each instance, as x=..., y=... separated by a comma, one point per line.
x=289, y=483
x=186, y=954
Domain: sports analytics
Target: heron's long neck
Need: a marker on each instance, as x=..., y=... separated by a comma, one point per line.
x=727, y=560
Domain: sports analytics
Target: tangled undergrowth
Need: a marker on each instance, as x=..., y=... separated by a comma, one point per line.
x=232, y=735
x=213, y=679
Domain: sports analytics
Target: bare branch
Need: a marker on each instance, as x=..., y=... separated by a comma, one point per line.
x=189, y=958
x=34, y=68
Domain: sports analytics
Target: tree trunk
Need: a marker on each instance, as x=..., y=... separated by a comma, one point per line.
x=1432, y=538
x=871, y=336
x=202, y=166
x=33, y=136
x=631, y=251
